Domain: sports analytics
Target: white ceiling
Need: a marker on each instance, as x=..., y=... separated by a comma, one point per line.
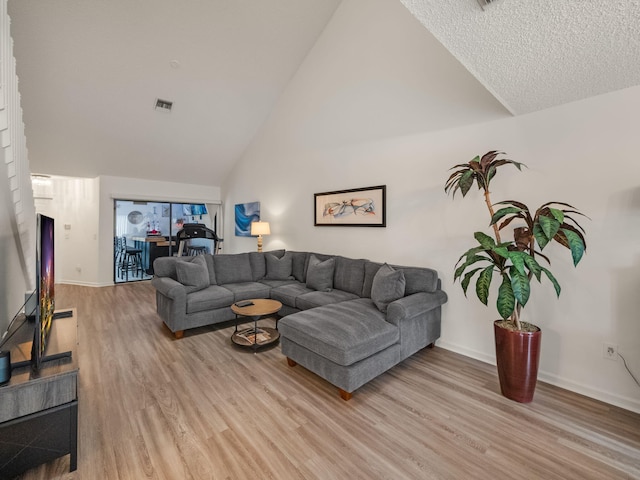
x=536, y=54
x=90, y=71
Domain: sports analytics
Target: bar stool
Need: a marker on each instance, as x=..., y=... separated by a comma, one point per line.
x=196, y=250
x=129, y=259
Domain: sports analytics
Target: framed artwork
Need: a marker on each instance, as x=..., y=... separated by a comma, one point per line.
x=245, y=214
x=358, y=207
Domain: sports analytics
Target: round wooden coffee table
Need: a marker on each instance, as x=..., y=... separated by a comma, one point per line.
x=255, y=337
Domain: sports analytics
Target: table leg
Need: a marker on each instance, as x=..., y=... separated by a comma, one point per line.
x=255, y=334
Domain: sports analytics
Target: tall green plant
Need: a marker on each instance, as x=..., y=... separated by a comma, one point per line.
x=553, y=221
x=480, y=170
x=514, y=261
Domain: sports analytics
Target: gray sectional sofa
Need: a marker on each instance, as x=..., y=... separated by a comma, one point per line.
x=347, y=320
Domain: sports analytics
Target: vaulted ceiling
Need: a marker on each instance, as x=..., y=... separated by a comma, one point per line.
x=90, y=72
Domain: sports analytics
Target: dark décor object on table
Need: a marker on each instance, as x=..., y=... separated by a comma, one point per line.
x=514, y=263
x=358, y=207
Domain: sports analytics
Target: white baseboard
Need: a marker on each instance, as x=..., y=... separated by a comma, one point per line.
x=627, y=403
x=483, y=357
x=85, y=284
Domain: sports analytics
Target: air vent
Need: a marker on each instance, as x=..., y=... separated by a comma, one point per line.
x=163, y=105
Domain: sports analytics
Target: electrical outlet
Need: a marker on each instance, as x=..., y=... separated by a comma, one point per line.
x=610, y=351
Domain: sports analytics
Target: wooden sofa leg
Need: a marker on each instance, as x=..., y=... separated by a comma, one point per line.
x=178, y=334
x=431, y=345
x=291, y=363
x=345, y=395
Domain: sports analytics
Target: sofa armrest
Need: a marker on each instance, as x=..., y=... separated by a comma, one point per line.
x=414, y=305
x=170, y=288
x=171, y=302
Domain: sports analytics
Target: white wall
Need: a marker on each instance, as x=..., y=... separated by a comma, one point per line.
x=84, y=252
x=74, y=206
x=14, y=272
x=112, y=188
x=17, y=214
x=583, y=153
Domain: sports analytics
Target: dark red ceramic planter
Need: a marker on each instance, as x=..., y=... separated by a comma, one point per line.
x=517, y=357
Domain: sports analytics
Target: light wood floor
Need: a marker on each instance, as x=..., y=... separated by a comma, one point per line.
x=197, y=408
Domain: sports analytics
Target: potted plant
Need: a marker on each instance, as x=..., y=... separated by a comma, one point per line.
x=513, y=263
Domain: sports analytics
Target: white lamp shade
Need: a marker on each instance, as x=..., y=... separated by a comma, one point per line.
x=260, y=228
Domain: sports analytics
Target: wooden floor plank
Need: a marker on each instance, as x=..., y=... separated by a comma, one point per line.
x=153, y=407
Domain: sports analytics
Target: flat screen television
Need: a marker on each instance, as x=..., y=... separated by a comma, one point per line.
x=192, y=209
x=45, y=288
x=198, y=209
x=41, y=319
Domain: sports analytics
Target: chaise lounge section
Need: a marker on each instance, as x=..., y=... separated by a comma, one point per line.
x=347, y=320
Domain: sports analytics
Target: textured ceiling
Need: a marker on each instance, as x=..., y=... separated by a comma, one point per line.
x=536, y=54
x=90, y=71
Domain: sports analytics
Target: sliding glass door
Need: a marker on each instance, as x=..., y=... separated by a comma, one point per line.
x=146, y=230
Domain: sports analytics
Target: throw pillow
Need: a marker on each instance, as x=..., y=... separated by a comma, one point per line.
x=320, y=274
x=388, y=286
x=232, y=268
x=279, y=268
x=193, y=275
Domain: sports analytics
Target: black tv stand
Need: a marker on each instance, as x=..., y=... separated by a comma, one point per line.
x=46, y=358
x=39, y=409
x=56, y=315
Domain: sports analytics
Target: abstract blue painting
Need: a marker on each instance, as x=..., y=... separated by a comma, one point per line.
x=245, y=214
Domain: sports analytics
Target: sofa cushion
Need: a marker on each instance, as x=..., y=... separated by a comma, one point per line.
x=193, y=275
x=209, y=299
x=388, y=286
x=277, y=283
x=247, y=290
x=419, y=279
x=258, y=265
x=344, y=333
x=279, y=268
x=315, y=299
x=166, y=266
x=370, y=270
x=287, y=294
x=349, y=275
x=299, y=262
x=320, y=274
x=212, y=271
x=232, y=268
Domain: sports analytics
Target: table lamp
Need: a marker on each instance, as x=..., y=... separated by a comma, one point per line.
x=259, y=229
